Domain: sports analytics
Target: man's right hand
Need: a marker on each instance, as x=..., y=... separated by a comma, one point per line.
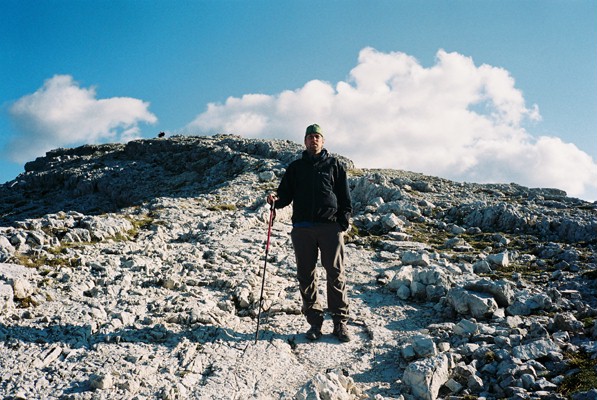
x=271, y=198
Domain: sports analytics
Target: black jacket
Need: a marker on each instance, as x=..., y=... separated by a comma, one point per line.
x=318, y=190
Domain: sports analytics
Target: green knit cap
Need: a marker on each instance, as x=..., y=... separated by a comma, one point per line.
x=313, y=129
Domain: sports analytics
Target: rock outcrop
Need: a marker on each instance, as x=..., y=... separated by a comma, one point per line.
x=134, y=271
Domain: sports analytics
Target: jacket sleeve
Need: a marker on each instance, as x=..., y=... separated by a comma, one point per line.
x=343, y=195
x=285, y=190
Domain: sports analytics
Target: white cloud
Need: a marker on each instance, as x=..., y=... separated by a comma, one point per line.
x=63, y=114
x=453, y=119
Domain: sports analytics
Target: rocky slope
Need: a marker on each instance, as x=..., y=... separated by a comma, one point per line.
x=134, y=270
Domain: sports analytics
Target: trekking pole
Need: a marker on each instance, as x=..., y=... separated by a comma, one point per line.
x=272, y=215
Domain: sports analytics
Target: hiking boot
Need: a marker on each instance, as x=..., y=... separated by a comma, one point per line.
x=341, y=332
x=313, y=333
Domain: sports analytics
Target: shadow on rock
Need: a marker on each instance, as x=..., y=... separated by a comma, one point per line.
x=80, y=336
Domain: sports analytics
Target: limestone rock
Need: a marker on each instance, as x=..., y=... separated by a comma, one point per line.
x=6, y=297
x=415, y=259
x=535, y=350
x=22, y=288
x=425, y=377
x=330, y=385
x=477, y=304
x=101, y=381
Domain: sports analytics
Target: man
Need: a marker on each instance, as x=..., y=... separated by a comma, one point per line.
x=317, y=186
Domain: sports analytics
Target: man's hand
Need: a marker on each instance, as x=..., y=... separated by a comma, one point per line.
x=271, y=198
x=344, y=224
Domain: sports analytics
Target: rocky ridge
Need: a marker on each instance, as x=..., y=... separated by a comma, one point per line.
x=133, y=271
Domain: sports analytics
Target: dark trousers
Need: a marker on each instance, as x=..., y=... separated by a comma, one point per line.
x=308, y=242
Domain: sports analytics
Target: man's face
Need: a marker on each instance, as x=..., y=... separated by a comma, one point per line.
x=314, y=143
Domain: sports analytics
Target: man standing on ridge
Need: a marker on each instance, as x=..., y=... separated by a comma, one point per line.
x=317, y=186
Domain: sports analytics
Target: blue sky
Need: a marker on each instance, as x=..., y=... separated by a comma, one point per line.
x=483, y=91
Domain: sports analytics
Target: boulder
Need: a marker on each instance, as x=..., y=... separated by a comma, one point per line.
x=424, y=346
x=6, y=297
x=501, y=290
x=22, y=288
x=499, y=259
x=536, y=349
x=400, y=207
x=391, y=222
x=476, y=304
x=466, y=328
x=567, y=322
x=332, y=385
x=425, y=377
x=416, y=259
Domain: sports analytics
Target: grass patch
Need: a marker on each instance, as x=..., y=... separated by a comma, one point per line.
x=222, y=207
x=124, y=237
x=267, y=187
x=352, y=234
x=356, y=172
x=54, y=257
x=588, y=322
x=32, y=261
x=363, y=238
x=430, y=235
x=28, y=261
x=490, y=357
x=143, y=223
x=583, y=379
x=26, y=302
